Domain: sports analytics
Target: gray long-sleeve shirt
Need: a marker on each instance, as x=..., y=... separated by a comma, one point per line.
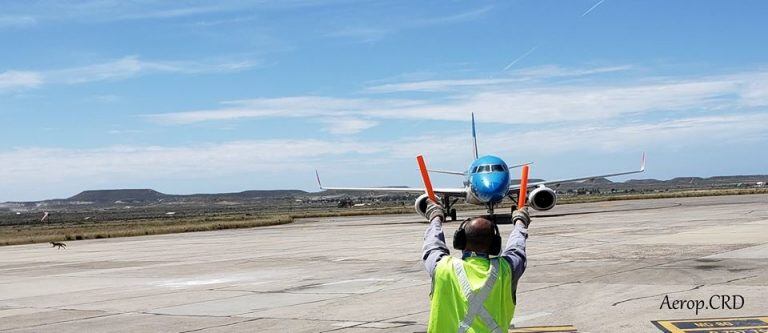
x=514, y=253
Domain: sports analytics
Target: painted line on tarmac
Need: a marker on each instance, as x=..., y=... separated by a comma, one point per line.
x=544, y=329
x=520, y=319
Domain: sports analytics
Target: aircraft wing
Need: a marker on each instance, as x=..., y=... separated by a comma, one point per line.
x=461, y=191
x=454, y=191
x=573, y=180
x=457, y=173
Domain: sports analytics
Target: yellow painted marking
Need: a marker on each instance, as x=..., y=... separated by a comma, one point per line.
x=735, y=324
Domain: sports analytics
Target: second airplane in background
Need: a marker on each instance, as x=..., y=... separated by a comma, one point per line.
x=487, y=183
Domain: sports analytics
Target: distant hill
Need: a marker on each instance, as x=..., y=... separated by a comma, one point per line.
x=598, y=180
x=679, y=183
x=124, y=195
x=251, y=194
x=148, y=196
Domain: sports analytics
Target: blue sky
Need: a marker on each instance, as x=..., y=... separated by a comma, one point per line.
x=212, y=96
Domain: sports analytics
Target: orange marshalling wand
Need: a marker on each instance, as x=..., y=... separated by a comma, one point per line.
x=523, y=188
x=425, y=177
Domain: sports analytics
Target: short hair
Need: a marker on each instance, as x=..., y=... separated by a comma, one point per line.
x=480, y=234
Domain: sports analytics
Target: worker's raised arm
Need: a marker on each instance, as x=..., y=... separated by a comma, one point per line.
x=514, y=252
x=434, y=240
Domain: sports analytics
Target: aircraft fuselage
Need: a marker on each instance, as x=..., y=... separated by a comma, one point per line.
x=487, y=180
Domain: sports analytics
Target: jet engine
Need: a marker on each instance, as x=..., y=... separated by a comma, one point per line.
x=542, y=198
x=421, y=205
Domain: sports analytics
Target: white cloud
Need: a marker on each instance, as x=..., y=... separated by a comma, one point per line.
x=571, y=103
x=662, y=134
x=119, y=69
x=12, y=80
x=41, y=165
x=439, y=85
x=470, y=15
x=299, y=106
x=288, y=107
x=519, y=76
x=509, y=103
x=132, y=66
x=372, y=33
x=755, y=91
x=680, y=136
x=555, y=71
x=348, y=125
x=116, y=10
x=17, y=21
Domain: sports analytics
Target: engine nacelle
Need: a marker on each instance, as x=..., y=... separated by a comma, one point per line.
x=421, y=205
x=542, y=198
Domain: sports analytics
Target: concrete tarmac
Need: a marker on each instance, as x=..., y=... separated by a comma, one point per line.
x=601, y=267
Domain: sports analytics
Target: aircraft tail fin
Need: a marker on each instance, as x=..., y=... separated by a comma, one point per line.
x=474, y=136
x=317, y=175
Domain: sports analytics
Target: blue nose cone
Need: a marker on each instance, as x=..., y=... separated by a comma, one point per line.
x=491, y=187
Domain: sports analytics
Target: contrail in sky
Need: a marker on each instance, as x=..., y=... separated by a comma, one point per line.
x=592, y=8
x=524, y=55
x=521, y=57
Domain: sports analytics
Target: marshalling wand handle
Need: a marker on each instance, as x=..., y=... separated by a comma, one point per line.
x=425, y=177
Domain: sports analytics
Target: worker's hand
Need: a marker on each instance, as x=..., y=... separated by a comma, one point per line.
x=522, y=215
x=434, y=209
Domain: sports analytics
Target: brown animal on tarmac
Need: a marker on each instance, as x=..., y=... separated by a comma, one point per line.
x=60, y=245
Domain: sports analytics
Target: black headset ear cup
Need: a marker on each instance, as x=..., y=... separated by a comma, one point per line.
x=496, y=242
x=460, y=237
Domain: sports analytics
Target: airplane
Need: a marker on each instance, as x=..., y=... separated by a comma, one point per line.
x=487, y=182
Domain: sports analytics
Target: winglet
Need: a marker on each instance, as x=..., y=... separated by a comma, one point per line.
x=317, y=175
x=642, y=163
x=474, y=136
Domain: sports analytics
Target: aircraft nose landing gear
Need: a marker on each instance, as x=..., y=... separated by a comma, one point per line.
x=448, y=211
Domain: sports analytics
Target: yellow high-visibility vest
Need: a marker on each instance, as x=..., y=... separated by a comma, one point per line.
x=461, y=301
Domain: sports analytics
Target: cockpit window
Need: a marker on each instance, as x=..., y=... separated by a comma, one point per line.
x=489, y=168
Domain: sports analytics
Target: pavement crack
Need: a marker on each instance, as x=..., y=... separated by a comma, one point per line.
x=552, y=263
x=681, y=291
x=676, y=204
x=377, y=321
x=737, y=279
x=552, y=286
x=68, y=321
x=222, y=325
x=655, y=295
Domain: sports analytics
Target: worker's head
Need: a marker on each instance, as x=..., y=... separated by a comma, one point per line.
x=478, y=235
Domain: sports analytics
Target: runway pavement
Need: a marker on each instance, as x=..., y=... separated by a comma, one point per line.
x=601, y=267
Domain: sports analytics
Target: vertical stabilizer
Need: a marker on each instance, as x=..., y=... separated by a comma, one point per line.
x=474, y=136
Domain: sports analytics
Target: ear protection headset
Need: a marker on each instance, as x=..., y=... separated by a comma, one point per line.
x=460, y=238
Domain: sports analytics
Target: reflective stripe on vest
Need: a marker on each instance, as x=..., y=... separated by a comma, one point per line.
x=477, y=299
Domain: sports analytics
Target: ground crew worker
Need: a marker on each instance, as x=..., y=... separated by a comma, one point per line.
x=474, y=293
